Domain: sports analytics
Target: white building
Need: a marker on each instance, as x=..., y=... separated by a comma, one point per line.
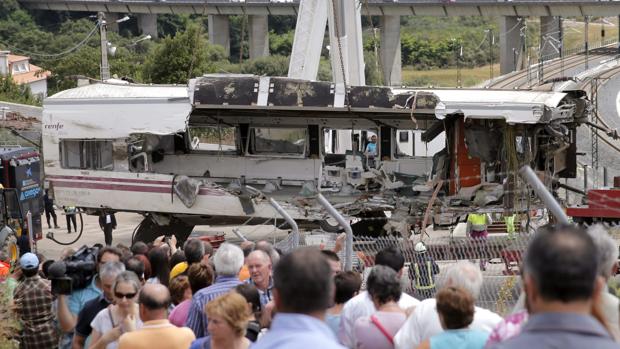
x=24, y=73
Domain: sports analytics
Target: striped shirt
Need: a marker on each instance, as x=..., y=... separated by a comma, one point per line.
x=197, y=317
x=265, y=296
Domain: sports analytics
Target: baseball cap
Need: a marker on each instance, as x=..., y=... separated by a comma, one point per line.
x=29, y=261
x=178, y=269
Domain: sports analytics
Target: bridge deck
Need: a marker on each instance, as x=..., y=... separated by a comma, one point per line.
x=375, y=7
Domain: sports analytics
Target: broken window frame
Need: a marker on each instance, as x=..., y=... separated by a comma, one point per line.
x=362, y=149
x=251, y=147
x=91, y=154
x=218, y=129
x=414, y=135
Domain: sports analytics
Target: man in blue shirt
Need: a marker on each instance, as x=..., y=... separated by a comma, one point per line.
x=371, y=148
x=303, y=288
x=371, y=151
x=228, y=261
x=561, y=283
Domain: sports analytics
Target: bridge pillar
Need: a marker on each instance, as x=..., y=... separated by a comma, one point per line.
x=550, y=37
x=219, y=31
x=391, y=62
x=511, y=45
x=259, y=36
x=147, y=23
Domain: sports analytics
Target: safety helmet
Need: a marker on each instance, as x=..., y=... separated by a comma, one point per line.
x=420, y=247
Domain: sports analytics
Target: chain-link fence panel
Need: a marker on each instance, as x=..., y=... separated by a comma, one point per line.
x=498, y=256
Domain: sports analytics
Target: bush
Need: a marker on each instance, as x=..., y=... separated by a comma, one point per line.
x=12, y=92
x=9, y=327
x=268, y=66
x=281, y=44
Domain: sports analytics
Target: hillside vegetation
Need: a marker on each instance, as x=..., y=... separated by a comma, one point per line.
x=67, y=44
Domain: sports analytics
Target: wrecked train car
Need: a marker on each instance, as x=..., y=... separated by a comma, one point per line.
x=213, y=152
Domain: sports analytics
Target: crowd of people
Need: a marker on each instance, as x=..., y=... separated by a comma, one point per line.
x=163, y=296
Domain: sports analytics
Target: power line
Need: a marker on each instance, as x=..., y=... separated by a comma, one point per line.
x=54, y=55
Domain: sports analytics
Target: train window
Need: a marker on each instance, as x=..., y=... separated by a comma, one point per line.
x=71, y=152
x=278, y=140
x=213, y=138
x=409, y=144
x=87, y=154
x=343, y=141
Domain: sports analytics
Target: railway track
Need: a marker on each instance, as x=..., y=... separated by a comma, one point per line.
x=552, y=69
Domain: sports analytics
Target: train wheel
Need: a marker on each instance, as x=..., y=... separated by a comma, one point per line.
x=148, y=230
x=9, y=247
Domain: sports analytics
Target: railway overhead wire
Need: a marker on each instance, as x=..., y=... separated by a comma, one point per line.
x=528, y=78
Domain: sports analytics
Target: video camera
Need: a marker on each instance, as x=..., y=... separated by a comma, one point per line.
x=74, y=272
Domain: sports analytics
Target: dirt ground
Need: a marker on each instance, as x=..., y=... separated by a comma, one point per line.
x=126, y=223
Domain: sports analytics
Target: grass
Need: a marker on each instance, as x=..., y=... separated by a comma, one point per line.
x=574, y=32
x=447, y=77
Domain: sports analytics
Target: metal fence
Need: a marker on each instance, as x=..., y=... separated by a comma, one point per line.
x=499, y=255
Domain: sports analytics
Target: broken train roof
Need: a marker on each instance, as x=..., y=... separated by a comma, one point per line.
x=238, y=92
x=166, y=108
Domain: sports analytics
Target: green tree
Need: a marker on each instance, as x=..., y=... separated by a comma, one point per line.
x=281, y=44
x=186, y=55
x=268, y=66
x=12, y=92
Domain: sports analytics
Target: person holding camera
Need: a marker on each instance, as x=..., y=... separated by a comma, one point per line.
x=70, y=305
x=107, y=274
x=33, y=301
x=120, y=317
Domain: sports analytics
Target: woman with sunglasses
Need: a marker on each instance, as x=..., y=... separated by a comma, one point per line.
x=119, y=317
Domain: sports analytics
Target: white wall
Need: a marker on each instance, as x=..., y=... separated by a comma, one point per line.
x=39, y=88
x=434, y=146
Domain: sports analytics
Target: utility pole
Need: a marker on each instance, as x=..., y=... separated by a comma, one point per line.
x=105, y=68
x=540, y=63
x=594, y=131
x=587, y=24
x=458, y=67
x=458, y=53
x=602, y=32
x=491, y=42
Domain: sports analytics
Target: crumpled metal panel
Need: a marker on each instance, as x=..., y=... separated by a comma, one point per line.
x=286, y=92
x=226, y=90
x=369, y=97
x=187, y=190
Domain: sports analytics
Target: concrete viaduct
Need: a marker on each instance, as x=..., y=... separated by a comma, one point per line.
x=511, y=15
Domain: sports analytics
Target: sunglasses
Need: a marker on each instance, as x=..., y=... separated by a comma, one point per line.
x=124, y=295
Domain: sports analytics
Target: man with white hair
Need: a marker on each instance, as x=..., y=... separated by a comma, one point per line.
x=228, y=261
x=607, y=253
x=424, y=321
x=259, y=265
